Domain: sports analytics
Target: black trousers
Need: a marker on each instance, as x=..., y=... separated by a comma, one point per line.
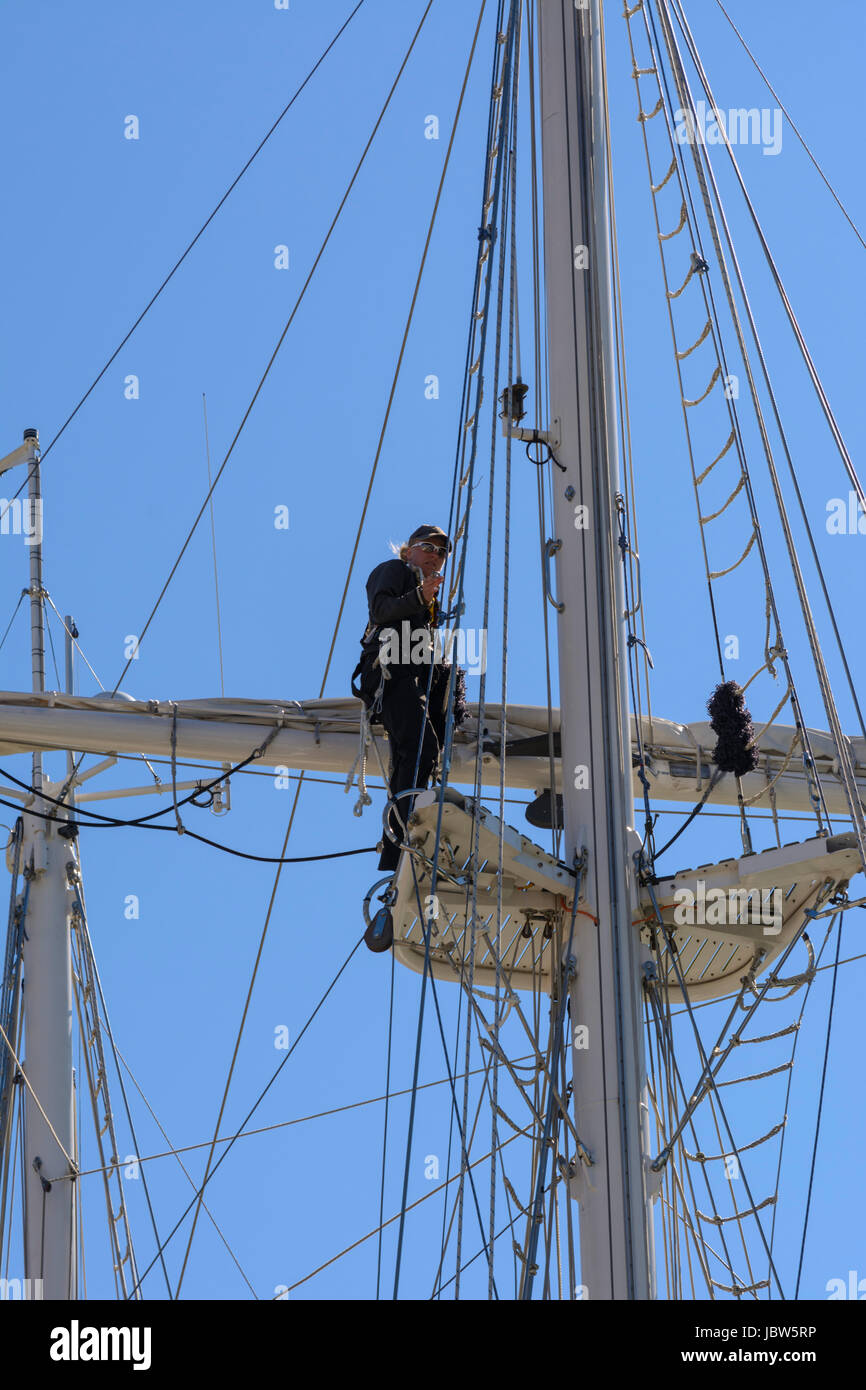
x=408, y=723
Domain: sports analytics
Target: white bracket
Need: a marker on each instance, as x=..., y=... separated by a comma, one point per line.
x=549, y=437
x=652, y=1180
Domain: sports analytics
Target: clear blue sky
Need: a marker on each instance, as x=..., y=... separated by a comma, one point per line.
x=93, y=222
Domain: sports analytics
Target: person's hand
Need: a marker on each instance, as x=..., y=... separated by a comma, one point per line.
x=430, y=586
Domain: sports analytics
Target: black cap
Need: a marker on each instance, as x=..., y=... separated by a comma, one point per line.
x=429, y=533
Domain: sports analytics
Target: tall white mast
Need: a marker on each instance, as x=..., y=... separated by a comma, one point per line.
x=596, y=781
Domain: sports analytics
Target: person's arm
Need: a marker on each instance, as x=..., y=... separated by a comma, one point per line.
x=385, y=593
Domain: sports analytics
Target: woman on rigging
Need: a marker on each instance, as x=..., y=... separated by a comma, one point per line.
x=396, y=682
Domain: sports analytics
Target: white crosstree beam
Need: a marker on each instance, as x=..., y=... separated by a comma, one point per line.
x=322, y=736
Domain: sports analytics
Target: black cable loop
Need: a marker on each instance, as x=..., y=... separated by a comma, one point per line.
x=114, y=820
x=714, y=780
x=203, y=839
x=550, y=457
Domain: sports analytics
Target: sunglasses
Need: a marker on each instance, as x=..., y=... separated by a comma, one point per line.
x=430, y=549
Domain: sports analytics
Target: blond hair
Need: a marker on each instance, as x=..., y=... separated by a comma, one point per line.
x=401, y=550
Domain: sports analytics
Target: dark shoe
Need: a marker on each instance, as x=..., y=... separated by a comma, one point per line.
x=390, y=856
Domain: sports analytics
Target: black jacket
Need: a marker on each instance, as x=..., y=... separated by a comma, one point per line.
x=394, y=597
x=396, y=604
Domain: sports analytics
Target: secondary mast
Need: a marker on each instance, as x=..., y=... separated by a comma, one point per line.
x=50, y=1246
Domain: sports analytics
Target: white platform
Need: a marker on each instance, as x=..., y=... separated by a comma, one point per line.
x=713, y=955
x=535, y=888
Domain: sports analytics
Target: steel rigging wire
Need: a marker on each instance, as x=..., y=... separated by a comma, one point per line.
x=843, y=753
x=175, y=1149
x=195, y=837
x=184, y=255
x=280, y=340
x=281, y=859
x=395, y=378
x=175, y=1152
x=241, y=854
x=211, y=1171
x=768, y=578
x=820, y=1109
x=788, y=117
x=107, y=820
x=486, y=233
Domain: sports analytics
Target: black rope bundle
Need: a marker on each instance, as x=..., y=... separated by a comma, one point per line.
x=730, y=720
x=459, y=696
x=441, y=684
